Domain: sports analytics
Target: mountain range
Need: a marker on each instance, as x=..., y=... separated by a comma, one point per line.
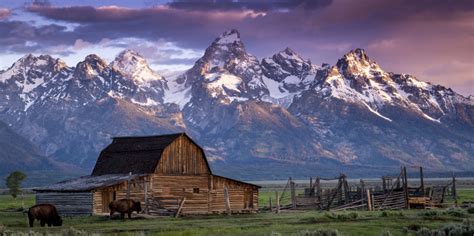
x=277, y=116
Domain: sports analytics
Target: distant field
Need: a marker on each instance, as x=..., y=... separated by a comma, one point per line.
x=286, y=223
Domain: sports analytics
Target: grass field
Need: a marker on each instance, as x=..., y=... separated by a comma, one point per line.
x=286, y=223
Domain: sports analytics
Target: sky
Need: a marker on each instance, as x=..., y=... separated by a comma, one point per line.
x=430, y=39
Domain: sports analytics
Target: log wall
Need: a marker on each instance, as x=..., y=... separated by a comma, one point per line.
x=118, y=191
x=183, y=157
x=242, y=196
x=194, y=188
x=68, y=204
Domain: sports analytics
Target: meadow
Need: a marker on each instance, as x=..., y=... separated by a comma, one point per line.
x=286, y=223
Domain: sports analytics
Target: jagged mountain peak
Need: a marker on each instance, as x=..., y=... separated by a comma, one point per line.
x=288, y=51
x=129, y=56
x=134, y=66
x=356, y=63
x=358, y=54
x=291, y=55
x=94, y=59
x=92, y=66
x=29, y=63
x=289, y=68
x=228, y=37
x=32, y=60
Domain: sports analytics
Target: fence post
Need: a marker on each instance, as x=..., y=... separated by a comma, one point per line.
x=145, y=186
x=369, y=201
x=129, y=184
x=422, y=183
x=270, y=203
x=405, y=187
x=277, y=202
x=455, y=197
x=293, y=195
x=318, y=187
x=362, y=189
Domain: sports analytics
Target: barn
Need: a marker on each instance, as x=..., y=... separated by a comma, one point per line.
x=168, y=174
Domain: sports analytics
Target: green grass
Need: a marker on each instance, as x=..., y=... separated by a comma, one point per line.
x=286, y=223
x=8, y=202
x=465, y=195
x=364, y=223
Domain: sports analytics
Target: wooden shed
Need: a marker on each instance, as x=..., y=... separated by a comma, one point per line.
x=165, y=173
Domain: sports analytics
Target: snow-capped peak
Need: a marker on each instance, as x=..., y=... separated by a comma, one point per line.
x=358, y=54
x=28, y=62
x=228, y=37
x=288, y=53
x=357, y=63
x=131, y=64
x=92, y=66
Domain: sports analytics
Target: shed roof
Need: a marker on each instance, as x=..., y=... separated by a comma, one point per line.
x=139, y=155
x=86, y=183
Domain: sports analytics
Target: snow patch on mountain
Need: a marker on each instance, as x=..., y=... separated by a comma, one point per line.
x=177, y=92
x=228, y=37
x=376, y=112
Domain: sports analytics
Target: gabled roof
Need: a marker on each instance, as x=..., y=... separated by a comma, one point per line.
x=86, y=183
x=139, y=155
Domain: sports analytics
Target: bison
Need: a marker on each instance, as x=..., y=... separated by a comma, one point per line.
x=124, y=206
x=46, y=214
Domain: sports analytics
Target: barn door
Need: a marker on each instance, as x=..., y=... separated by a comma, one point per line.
x=107, y=197
x=248, y=198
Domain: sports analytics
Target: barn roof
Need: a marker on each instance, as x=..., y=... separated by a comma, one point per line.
x=139, y=155
x=86, y=183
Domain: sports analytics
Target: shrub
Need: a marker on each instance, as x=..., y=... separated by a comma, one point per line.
x=470, y=210
x=391, y=213
x=414, y=227
x=429, y=213
x=353, y=215
x=466, y=228
x=423, y=232
x=330, y=215
x=320, y=232
x=386, y=233
x=455, y=212
x=73, y=232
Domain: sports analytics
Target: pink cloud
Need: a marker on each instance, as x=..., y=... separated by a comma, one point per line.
x=4, y=13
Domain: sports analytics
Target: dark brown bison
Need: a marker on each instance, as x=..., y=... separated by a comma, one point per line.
x=46, y=214
x=124, y=206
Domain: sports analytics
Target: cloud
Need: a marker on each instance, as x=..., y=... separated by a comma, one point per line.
x=16, y=34
x=4, y=13
x=79, y=44
x=256, y=5
x=402, y=35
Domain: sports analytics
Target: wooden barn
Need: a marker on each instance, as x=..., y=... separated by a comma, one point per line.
x=168, y=174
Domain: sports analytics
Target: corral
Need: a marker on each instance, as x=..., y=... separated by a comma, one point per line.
x=391, y=193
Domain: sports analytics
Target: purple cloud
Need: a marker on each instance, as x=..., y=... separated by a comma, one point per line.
x=402, y=35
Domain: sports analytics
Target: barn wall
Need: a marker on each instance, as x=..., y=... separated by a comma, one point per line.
x=184, y=186
x=182, y=157
x=67, y=204
x=242, y=196
x=137, y=193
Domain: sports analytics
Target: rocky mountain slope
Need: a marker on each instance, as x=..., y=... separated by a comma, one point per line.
x=243, y=111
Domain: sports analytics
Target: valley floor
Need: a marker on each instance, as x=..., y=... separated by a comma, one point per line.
x=286, y=223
